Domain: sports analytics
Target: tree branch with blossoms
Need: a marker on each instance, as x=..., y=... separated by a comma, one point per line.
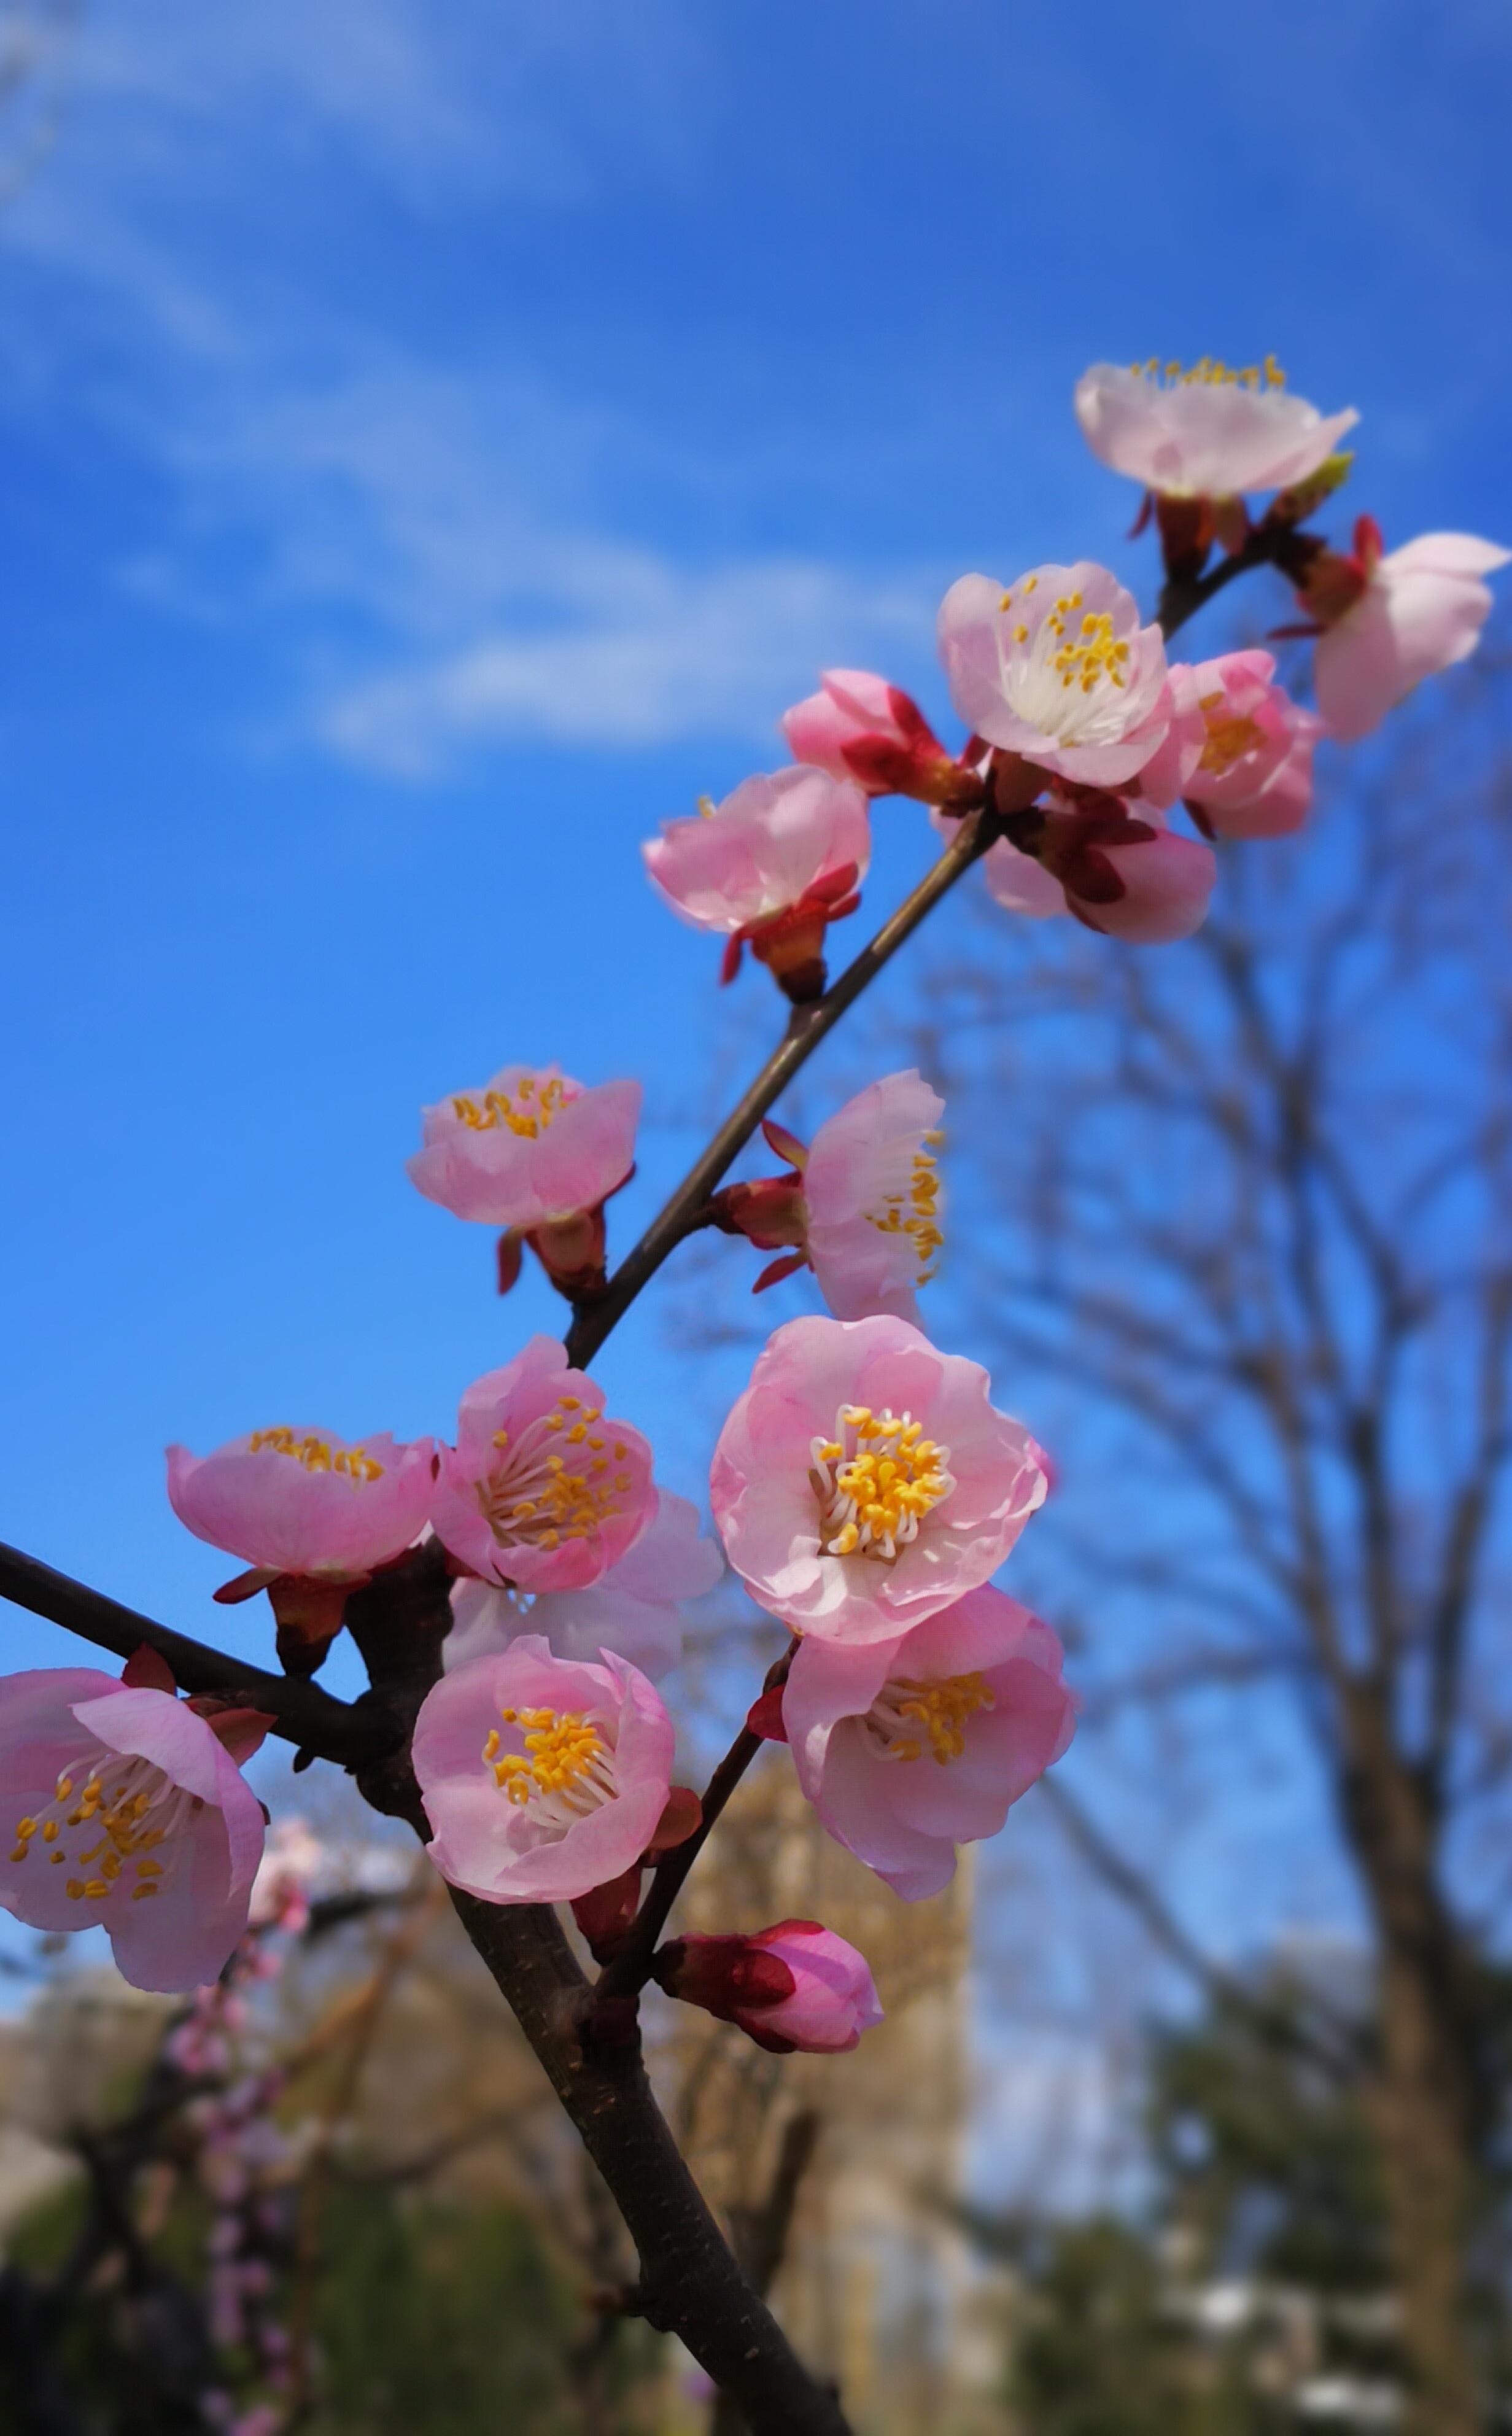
x=516, y=1592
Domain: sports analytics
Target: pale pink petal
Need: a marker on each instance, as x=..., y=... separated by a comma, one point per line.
x=1056, y=668
x=770, y=1516
x=1211, y=438
x=303, y=1500
x=542, y=1491
x=537, y=1850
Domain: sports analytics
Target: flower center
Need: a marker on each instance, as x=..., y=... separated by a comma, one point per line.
x=107, y=1838
x=1228, y=739
x=906, y=1715
x=1210, y=372
x=318, y=1454
x=915, y=1213
x=876, y=1479
x=1093, y=655
x=528, y=1110
x=541, y=1496
x=566, y=1769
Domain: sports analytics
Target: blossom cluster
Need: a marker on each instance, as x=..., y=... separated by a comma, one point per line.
x=865, y=1487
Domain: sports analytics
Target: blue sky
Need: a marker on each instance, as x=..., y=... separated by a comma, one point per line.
x=437, y=441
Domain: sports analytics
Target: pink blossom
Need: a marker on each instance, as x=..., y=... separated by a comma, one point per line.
x=860, y=727
x=633, y=1611
x=863, y=1480
x=1112, y=863
x=542, y=1777
x=1211, y=433
x=1238, y=748
x=1057, y=670
x=129, y=1814
x=976, y=1692
x=1254, y=771
x=1408, y=614
x=861, y=1204
x=532, y=1148
x=541, y=1490
x=304, y=1502
x=772, y=845
x=796, y=1985
x=871, y=1191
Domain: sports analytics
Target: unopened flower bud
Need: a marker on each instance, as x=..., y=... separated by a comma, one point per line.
x=859, y=726
x=796, y=1985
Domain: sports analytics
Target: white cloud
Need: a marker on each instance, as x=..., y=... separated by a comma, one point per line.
x=437, y=551
x=664, y=652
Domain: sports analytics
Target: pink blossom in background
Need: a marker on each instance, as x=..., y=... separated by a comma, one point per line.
x=770, y=846
x=127, y=1813
x=540, y=1490
x=1210, y=434
x=858, y=727
x=907, y=1748
x=871, y=1191
x=633, y=1611
x=1111, y=862
x=304, y=1502
x=1239, y=748
x=794, y=1986
x=1415, y=611
x=542, y=1777
x=1058, y=669
x=530, y=1147
x=863, y=1480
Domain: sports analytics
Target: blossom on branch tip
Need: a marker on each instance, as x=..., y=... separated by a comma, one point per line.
x=129, y=1814
x=632, y=1611
x=314, y=1514
x=772, y=865
x=540, y=1491
x=1058, y=671
x=863, y=1480
x=861, y=1204
x=1208, y=433
x=907, y=1748
x=1240, y=750
x=542, y=1778
x=1392, y=618
x=858, y=727
x=794, y=1986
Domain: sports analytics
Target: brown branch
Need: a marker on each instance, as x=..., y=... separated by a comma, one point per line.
x=594, y=1320
x=630, y=1967
x=302, y=1713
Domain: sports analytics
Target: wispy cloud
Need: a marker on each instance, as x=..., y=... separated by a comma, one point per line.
x=438, y=547
x=659, y=652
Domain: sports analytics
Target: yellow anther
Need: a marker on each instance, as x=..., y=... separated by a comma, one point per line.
x=909, y=1717
x=317, y=1454
x=1210, y=372
x=563, y=1755
x=533, y=1106
x=1228, y=740
x=138, y=1892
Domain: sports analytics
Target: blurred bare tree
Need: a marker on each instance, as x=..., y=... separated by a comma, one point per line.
x=37, y=38
x=1247, y=1222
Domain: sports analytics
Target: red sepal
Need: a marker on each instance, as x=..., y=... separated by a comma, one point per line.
x=147, y=1670
x=730, y=961
x=776, y=1271
x=765, y=1717
x=511, y=1261
x=682, y=1817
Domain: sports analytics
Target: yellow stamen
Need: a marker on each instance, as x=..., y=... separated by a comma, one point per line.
x=534, y=1108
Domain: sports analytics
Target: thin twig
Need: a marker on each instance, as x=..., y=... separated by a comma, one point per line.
x=302, y=1713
